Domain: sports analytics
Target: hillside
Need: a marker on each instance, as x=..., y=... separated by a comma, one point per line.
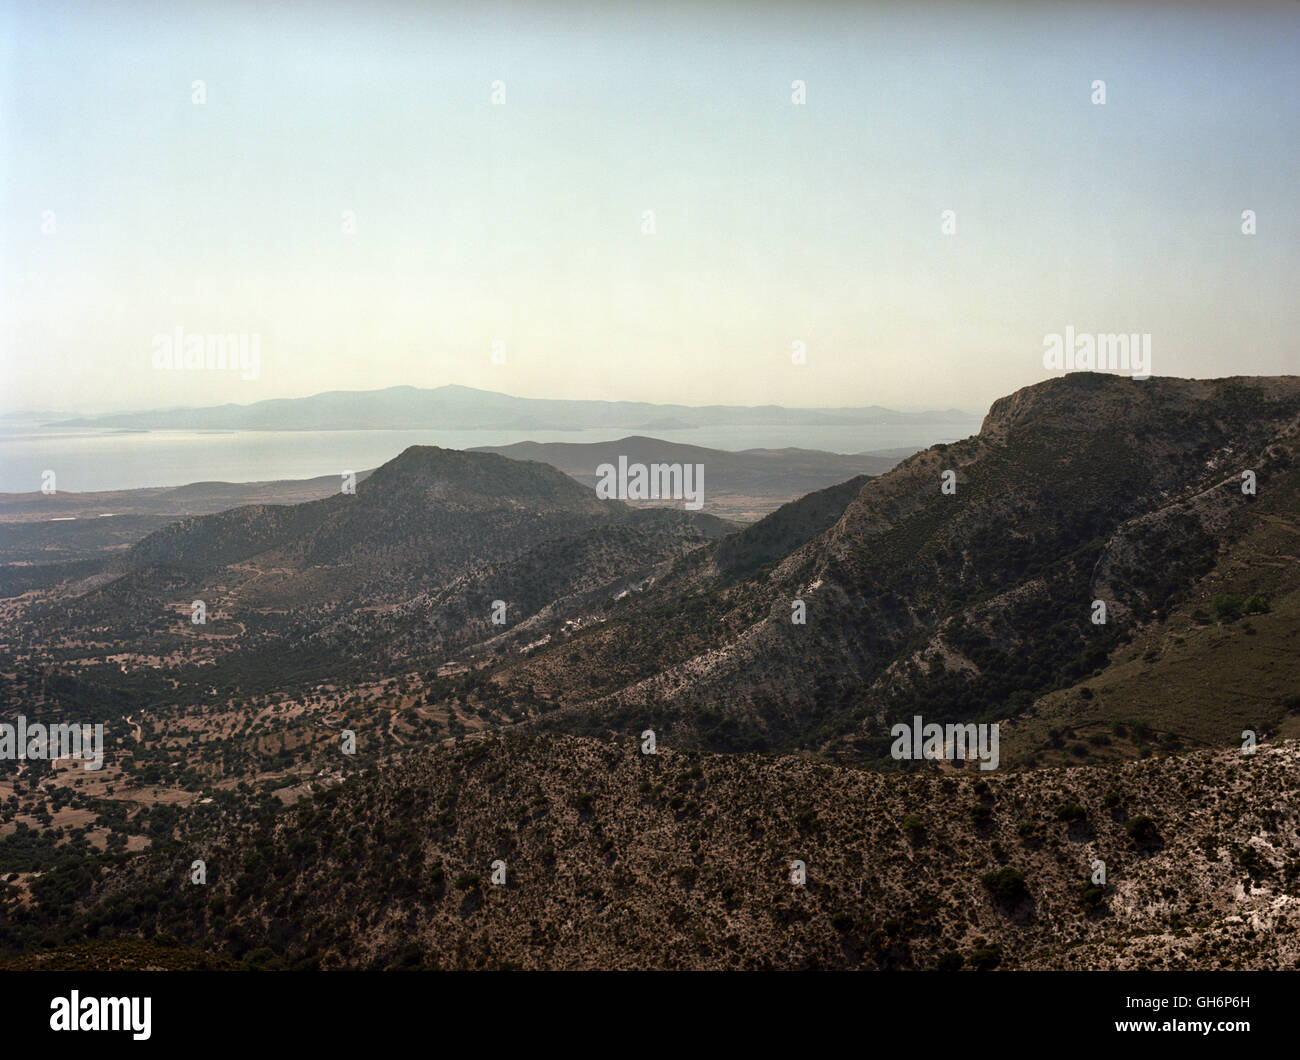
x=965, y=606
x=1224, y=659
x=430, y=526
x=335, y=614
x=619, y=860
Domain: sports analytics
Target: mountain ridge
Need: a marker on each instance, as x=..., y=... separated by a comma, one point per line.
x=1004, y=571
x=466, y=408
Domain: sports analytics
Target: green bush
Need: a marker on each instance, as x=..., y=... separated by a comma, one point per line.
x=1142, y=829
x=1226, y=608
x=1006, y=884
x=1071, y=811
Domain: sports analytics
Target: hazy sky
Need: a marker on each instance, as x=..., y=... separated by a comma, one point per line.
x=523, y=222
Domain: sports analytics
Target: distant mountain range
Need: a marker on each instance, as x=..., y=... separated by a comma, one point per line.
x=465, y=408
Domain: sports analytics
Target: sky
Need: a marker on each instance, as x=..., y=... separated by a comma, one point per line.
x=649, y=215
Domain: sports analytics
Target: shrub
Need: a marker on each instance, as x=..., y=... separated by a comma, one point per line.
x=1142, y=829
x=1256, y=605
x=1091, y=895
x=266, y=959
x=1226, y=608
x=1006, y=884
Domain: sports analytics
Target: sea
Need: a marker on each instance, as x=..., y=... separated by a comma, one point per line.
x=98, y=459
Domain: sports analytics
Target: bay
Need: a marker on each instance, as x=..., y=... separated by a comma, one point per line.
x=97, y=459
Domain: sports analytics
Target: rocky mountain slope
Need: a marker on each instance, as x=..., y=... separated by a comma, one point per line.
x=616, y=859
x=968, y=604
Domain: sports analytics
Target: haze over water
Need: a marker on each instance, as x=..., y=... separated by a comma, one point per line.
x=86, y=460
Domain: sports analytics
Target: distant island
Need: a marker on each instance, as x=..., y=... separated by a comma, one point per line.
x=465, y=408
